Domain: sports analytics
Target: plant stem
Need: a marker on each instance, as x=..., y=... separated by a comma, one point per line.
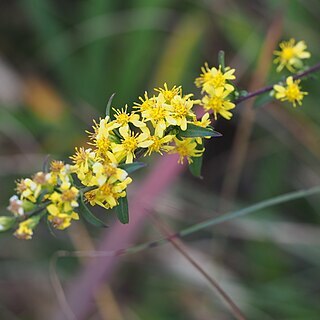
x=38, y=209
x=198, y=226
x=227, y=217
x=266, y=89
x=179, y=246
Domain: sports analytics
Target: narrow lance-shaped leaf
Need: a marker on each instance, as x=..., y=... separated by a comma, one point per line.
x=194, y=131
x=108, y=107
x=88, y=215
x=196, y=165
x=221, y=60
x=46, y=164
x=131, y=167
x=122, y=210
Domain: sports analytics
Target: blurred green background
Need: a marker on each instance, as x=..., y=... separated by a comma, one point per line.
x=59, y=63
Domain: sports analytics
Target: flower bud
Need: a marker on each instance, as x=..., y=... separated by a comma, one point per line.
x=6, y=223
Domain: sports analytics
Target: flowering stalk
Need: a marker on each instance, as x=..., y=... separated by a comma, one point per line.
x=269, y=88
x=163, y=122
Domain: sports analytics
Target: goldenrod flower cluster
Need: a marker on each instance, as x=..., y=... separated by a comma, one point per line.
x=290, y=56
x=159, y=123
x=216, y=85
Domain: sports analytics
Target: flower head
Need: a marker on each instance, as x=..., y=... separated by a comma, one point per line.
x=217, y=101
x=213, y=78
x=59, y=219
x=25, y=229
x=169, y=94
x=180, y=111
x=290, y=55
x=186, y=148
x=130, y=142
x=290, y=92
x=146, y=103
x=108, y=193
x=28, y=189
x=159, y=145
x=157, y=114
x=61, y=208
x=123, y=118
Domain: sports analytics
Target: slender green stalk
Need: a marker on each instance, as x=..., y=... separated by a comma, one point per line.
x=227, y=217
x=199, y=226
x=242, y=212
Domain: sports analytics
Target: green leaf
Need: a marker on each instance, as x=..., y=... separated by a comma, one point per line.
x=221, y=60
x=46, y=164
x=88, y=215
x=194, y=131
x=131, y=167
x=108, y=108
x=122, y=210
x=196, y=166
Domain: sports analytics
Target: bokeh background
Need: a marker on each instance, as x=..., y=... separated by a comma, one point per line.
x=59, y=63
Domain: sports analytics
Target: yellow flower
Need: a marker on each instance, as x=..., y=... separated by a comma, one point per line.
x=28, y=189
x=157, y=114
x=180, y=110
x=291, y=92
x=110, y=181
x=107, y=195
x=56, y=168
x=204, y=122
x=186, y=148
x=123, y=118
x=59, y=219
x=218, y=102
x=25, y=229
x=146, y=103
x=103, y=128
x=169, y=94
x=61, y=209
x=130, y=143
x=83, y=159
x=107, y=171
x=102, y=136
x=213, y=78
x=291, y=54
x=159, y=145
